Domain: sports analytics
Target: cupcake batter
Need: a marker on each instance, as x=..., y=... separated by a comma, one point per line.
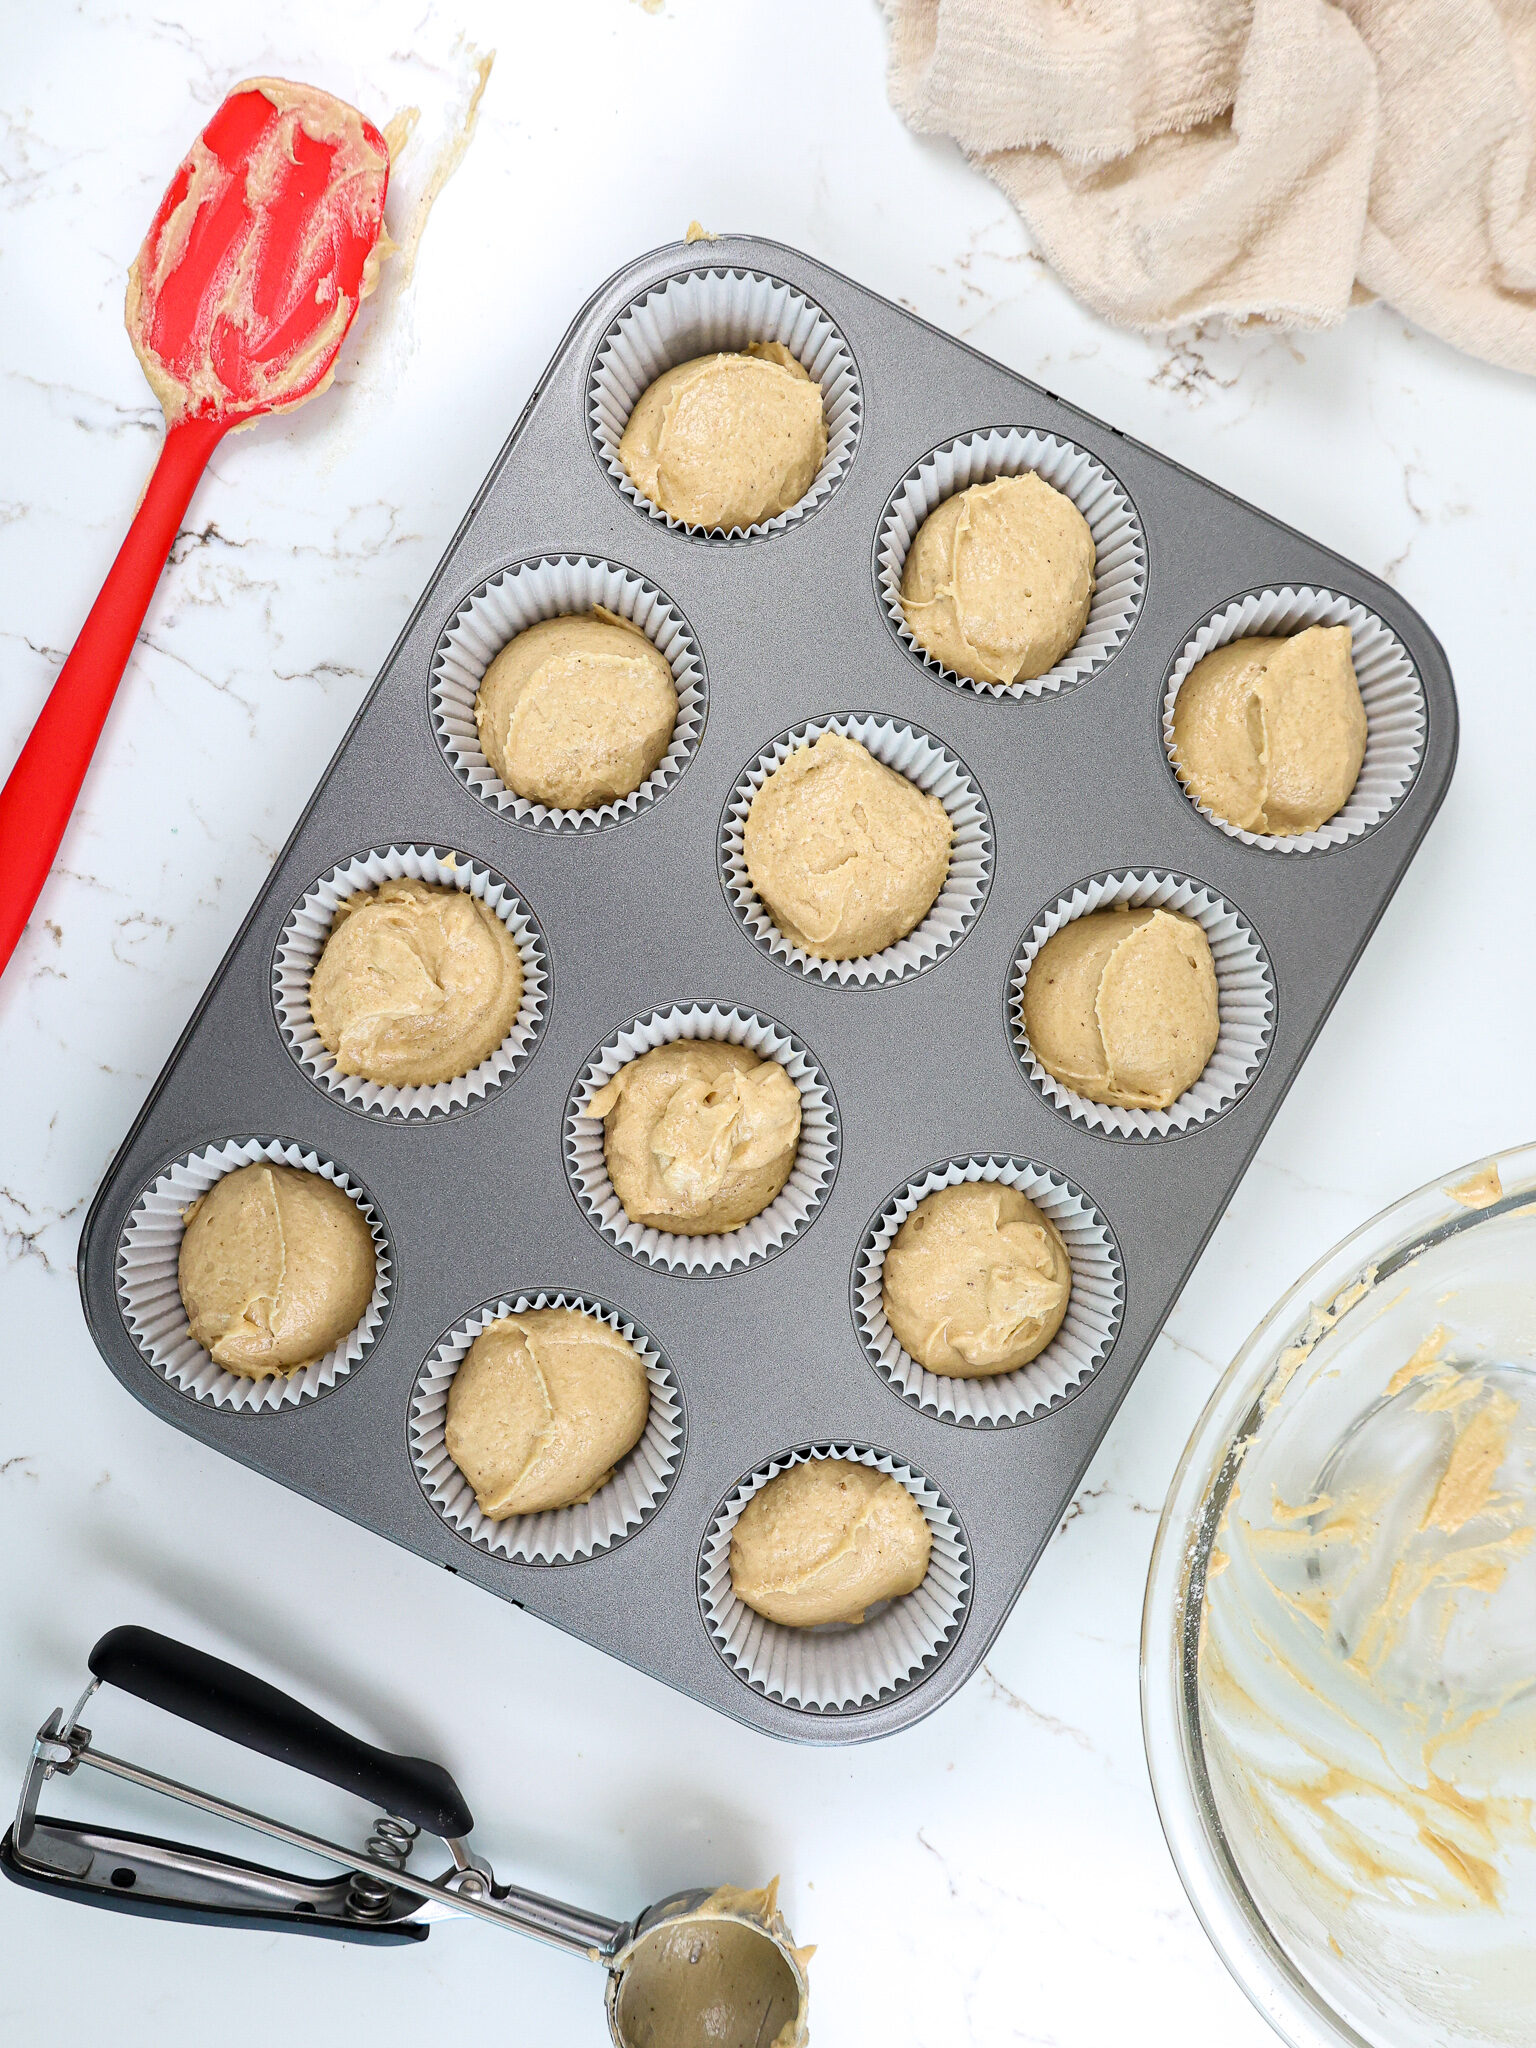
x=700, y=1136
x=999, y=580
x=416, y=985
x=1120, y=1006
x=277, y=1265
x=545, y=1405
x=847, y=854
x=576, y=711
x=725, y=1974
x=976, y=1281
x=1269, y=734
x=727, y=441
x=826, y=1540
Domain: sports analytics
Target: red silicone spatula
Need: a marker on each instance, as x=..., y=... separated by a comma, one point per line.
x=262, y=250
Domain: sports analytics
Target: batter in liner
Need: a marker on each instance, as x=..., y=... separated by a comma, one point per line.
x=1269, y=734
x=976, y=1281
x=699, y=1137
x=999, y=580
x=576, y=712
x=416, y=984
x=847, y=854
x=545, y=1405
x=277, y=1265
x=727, y=441
x=825, y=1540
x=1120, y=1006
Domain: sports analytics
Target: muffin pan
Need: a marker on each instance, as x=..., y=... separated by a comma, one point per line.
x=770, y=1350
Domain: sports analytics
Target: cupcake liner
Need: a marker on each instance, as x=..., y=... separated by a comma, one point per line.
x=150, y=1298
x=841, y=1666
x=552, y=587
x=559, y=1535
x=705, y=312
x=1077, y=1350
x=1396, y=716
x=937, y=772
x=763, y=1236
x=1120, y=567
x=303, y=941
x=1245, y=989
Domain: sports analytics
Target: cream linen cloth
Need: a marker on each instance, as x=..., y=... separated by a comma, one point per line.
x=1181, y=160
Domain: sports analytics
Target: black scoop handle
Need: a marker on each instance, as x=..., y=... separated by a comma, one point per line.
x=230, y=1702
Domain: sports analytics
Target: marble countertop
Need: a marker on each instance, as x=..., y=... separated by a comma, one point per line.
x=996, y=1874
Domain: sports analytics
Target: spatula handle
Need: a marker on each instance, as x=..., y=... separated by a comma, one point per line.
x=230, y=1702
x=40, y=793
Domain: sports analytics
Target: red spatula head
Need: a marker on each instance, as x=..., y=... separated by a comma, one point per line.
x=264, y=246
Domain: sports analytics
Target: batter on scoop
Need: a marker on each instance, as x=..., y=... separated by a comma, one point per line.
x=545, y=1405
x=576, y=712
x=847, y=854
x=416, y=984
x=727, y=441
x=1121, y=1007
x=277, y=1265
x=976, y=1281
x=699, y=1136
x=998, y=581
x=825, y=1540
x=1269, y=734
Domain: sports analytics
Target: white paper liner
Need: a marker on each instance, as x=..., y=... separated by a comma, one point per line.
x=303, y=941
x=1120, y=566
x=705, y=312
x=763, y=1235
x=1395, y=712
x=150, y=1298
x=938, y=773
x=841, y=1665
x=1245, y=992
x=1077, y=1350
x=553, y=587
x=559, y=1535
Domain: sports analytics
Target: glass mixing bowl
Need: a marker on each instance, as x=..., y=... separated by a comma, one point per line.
x=1338, y=1661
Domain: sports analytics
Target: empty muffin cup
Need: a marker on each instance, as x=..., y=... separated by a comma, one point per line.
x=620, y=1507
x=303, y=941
x=709, y=312
x=528, y=594
x=839, y=1667
x=149, y=1292
x=1073, y=1355
x=1396, y=718
x=1120, y=551
x=762, y=1236
x=1245, y=991
x=937, y=773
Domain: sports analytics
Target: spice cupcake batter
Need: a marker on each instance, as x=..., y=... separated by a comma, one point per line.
x=545, y=1405
x=277, y=1265
x=847, y=854
x=1269, y=734
x=976, y=1281
x=699, y=1136
x=577, y=711
x=998, y=581
x=416, y=985
x=827, y=1540
x=729, y=440
x=1121, y=1006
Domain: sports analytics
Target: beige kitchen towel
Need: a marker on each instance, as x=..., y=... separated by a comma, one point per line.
x=1182, y=160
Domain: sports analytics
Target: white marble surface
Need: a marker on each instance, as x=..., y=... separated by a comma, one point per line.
x=997, y=1874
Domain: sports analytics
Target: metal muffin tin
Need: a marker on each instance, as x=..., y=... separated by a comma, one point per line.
x=478, y=1204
